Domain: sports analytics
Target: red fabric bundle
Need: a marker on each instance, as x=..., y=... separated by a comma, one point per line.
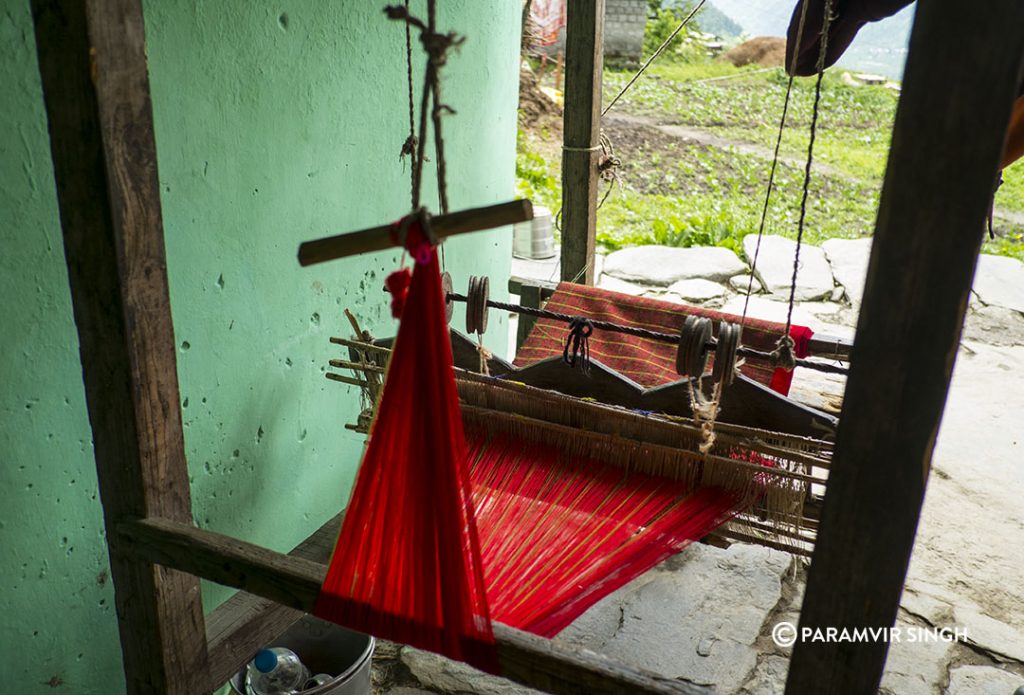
x=649, y=362
x=407, y=562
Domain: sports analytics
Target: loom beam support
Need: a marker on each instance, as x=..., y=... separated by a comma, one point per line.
x=442, y=226
x=927, y=238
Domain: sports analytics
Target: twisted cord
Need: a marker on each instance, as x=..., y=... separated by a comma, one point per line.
x=827, y=21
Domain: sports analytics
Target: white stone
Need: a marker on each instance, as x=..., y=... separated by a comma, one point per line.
x=775, y=267
x=663, y=265
x=741, y=282
x=449, y=676
x=614, y=284
x=768, y=309
x=914, y=667
x=697, y=290
x=999, y=281
x=696, y=617
x=849, y=261
x=979, y=680
x=769, y=678
x=988, y=633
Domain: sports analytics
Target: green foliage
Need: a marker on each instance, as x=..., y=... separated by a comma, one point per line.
x=660, y=27
x=535, y=179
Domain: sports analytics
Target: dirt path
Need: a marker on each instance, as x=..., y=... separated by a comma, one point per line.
x=690, y=134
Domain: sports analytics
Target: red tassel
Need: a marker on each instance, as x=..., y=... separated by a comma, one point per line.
x=398, y=285
x=407, y=563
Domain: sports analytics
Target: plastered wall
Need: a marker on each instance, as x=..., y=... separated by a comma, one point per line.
x=275, y=123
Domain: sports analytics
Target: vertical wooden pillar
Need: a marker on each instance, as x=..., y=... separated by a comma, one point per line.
x=584, y=62
x=948, y=137
x=92, y=59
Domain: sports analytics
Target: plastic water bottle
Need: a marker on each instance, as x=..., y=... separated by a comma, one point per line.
x=276, y=671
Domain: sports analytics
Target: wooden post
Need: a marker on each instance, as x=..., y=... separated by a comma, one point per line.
x=946, y=147
x=92, y=59
x=584, y=61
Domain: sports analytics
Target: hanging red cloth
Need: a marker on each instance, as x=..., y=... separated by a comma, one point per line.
x=407, y=562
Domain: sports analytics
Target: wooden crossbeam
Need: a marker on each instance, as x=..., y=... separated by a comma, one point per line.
x=104, y=161
x=946, y=146
x=442, y=226
x=295, y=582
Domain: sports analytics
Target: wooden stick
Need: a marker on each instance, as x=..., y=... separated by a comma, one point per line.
x=361, y=346
x=443, y=226
x=356, y=366
x=295, y=582
x=346, y=379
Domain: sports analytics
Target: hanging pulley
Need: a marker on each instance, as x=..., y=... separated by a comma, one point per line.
x=477, y=295
x=695, y=346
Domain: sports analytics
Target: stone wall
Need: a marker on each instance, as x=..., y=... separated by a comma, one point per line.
x=624, y=22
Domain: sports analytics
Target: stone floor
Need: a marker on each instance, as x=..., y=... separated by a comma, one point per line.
x=706, y=615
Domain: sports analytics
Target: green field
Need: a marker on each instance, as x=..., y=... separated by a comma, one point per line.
x=684, y=193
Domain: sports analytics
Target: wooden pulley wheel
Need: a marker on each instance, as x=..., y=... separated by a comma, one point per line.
x=446, y=291
x=476, y=304
x=724, y=369
x=691, y=356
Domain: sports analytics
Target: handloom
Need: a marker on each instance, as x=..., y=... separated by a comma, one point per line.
x=482, y=499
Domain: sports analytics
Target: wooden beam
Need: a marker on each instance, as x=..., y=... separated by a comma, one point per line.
x=584, y=61
x=295, y=582
x=443, y=226
x=946, y=147
x=243, y=624
x=104, y=161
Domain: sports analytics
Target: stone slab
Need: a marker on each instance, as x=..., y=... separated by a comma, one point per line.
x=775, y=267
x=447, y=676
x=769, y=309
x=614, y=284
x=848, y=259
x=914, y=667
x=999, y=281
x=697, y=289
x=979, y=680
x=990, y=634
x=695, y=617
x=739, y=283
x=663, y=265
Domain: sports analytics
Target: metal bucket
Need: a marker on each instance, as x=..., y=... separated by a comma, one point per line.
x=325, y=648
x=534, y=239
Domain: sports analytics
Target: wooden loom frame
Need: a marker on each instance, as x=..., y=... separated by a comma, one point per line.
x=945, y=149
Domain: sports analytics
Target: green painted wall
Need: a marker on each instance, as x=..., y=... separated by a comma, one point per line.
x=275, y=123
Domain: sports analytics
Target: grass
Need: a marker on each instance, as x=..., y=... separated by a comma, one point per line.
x=683, y=194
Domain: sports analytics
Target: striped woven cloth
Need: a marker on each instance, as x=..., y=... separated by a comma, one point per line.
x=649, y=362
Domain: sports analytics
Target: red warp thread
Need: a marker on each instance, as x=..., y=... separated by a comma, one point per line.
x=559, y=532
x=406, y=566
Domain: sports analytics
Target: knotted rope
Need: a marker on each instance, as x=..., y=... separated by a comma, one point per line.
x=577, y=344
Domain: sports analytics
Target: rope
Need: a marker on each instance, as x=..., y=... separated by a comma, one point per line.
x=810, y=160
x=657, y=53
x=409, y=147
x=577, y=345
x=436, y=46
x=643, y=332
x=774, y=167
